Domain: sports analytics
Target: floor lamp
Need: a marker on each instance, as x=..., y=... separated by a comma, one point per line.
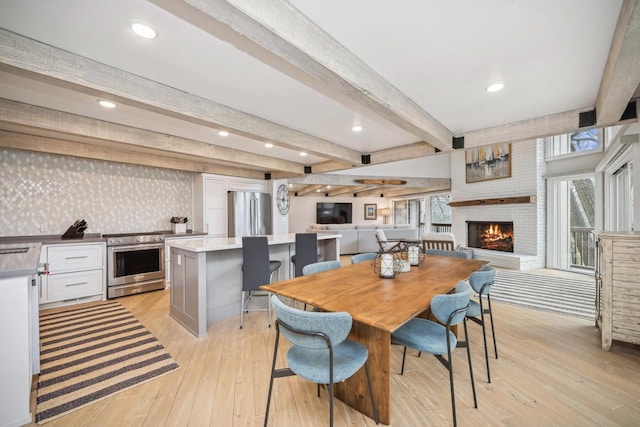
x=385, y=212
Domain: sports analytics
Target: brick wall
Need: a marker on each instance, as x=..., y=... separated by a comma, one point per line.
x=527, y=169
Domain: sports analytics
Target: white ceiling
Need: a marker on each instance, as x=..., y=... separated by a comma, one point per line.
x=439, y=55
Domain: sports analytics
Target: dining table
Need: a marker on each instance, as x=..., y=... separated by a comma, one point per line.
x=378, y=307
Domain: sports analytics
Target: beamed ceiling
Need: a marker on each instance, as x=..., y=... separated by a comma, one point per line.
x=300, y=74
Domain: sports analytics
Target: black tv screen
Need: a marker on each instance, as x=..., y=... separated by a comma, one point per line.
x=333, y=213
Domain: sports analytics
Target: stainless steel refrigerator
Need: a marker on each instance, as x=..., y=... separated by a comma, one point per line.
x=249, y=213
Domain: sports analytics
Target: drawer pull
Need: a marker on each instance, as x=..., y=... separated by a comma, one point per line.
x=77, y=284
x=76, y=257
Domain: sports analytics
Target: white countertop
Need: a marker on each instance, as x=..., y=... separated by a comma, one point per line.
x=206, y=244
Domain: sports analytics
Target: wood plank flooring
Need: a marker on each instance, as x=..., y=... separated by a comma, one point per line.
x=551, y=372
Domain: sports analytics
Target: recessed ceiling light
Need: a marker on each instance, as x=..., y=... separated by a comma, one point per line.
x=223, y=133
x=268, y=145
x=328, y=186
x=143, y=29
x=356, y=128
x=107, y=104
x=303, y=154
x=495, y=87
x=290, y=185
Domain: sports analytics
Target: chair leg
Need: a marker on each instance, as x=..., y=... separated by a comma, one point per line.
x=331, y=404
x=484, y=336
x=493, y=331
x=453, y=394
x=269, y=303
x=273, y=368
x=404, y=355
x=473, y=384
x=373, y=400
x=242, y=310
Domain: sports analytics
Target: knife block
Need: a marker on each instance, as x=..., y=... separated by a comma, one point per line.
x=76, y=231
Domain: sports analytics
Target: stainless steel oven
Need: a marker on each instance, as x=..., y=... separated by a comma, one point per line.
x=135, y=263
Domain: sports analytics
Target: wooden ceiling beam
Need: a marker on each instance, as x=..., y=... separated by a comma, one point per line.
x=41, y=62
x=73, y=126
x=309, y=189
x=66, y=148
x=621, y=77
x=335, y=179
x=347, y=189
x=281, y=29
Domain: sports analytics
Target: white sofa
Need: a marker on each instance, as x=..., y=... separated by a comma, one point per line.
x=360, y=238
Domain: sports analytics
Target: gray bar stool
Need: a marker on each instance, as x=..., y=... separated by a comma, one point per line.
x=257, y=270
x=306, y=251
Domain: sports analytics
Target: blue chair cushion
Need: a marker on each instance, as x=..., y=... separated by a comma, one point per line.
x=474, y=309
x=424, y=335
x=313, y=364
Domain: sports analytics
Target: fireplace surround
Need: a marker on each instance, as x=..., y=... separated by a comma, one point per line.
x=490, y=235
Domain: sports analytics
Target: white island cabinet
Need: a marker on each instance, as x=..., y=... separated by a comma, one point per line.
x=18, y=331
x=206, y=275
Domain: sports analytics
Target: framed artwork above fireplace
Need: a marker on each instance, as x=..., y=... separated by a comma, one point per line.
x=489, y=162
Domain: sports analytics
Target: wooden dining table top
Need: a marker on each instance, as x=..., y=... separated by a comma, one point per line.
x=379, y=302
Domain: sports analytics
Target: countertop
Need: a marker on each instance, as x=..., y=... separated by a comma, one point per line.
x=19, y=259
x=206, y=244
x=56, y=239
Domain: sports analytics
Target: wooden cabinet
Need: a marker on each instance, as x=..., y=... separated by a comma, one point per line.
x=618, y=287
x=76, y=274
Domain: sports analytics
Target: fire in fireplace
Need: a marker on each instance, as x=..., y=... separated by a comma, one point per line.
x=492, y=235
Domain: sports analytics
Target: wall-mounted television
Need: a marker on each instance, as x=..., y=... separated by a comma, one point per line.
x=333, y=213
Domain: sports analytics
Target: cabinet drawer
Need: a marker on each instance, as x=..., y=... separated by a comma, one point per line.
x=74, y=285
x=74, y=257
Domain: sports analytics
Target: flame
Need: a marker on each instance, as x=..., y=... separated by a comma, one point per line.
x=493, y=233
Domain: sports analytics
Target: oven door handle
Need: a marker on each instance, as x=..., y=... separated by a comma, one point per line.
x=139, y=246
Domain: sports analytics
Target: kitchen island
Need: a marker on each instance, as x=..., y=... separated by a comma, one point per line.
x=206, y=275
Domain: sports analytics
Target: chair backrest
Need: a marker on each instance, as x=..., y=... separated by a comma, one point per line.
x=318, y=267
x=442, y=241
x=255, y=262
x=444, y=306
x=482, y=280
x=456, y=254
x=306, y=251
x=381, y=238
x=355, y=259
x=335, y=325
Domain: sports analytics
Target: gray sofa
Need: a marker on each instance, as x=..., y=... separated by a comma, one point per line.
x=360, y=238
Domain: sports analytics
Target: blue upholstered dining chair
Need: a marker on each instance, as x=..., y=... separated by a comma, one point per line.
x=320, y=351
x=436, y=338
x=356, y=259
x=455, y=254
x=306, y=248
x=318, y=267
x=257, y=270
x=481, y=282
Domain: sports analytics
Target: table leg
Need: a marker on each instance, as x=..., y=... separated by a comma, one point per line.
x=354, y=391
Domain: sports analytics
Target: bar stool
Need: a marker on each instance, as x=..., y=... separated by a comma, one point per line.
x=257, y=270
x=306, y=251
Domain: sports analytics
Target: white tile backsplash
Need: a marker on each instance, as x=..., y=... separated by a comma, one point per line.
x=45, y=193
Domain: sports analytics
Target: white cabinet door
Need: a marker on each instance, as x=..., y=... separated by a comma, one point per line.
x=215, y=207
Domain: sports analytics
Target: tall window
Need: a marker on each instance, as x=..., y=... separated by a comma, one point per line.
x=575, y=142
x=440, y=213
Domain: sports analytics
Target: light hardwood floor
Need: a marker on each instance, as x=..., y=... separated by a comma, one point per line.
x=551, y=372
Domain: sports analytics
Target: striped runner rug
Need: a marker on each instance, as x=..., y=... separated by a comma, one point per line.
x=573, y=297
x=91, y=352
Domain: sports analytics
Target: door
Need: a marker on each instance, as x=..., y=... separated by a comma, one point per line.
x=571, y=217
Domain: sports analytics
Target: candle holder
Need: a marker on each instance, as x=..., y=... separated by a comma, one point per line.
x=387, y=264
x=415, y=255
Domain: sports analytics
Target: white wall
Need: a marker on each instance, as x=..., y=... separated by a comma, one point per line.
x=44, y=194
x=527, y=170
x=303, y=210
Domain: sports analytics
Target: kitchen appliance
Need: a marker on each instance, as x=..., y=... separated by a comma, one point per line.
x=249, y=213
x=135, y=263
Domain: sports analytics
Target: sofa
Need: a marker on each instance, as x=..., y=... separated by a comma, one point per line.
x=360, y=238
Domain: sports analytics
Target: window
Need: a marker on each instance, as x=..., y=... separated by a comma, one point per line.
x=575, y=142
x=440, y=213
